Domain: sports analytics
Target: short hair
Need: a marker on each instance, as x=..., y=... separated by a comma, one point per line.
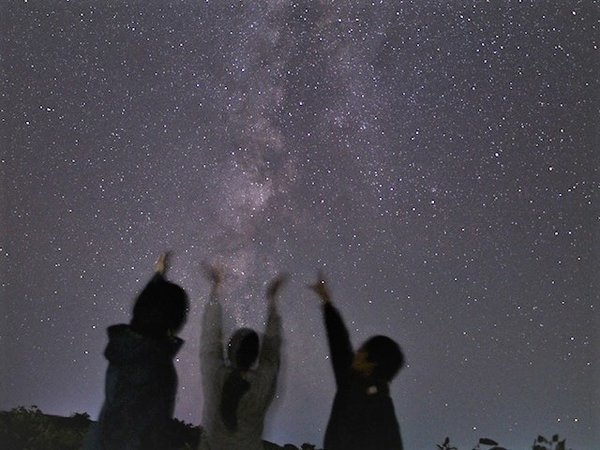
x=160, y=308
x=387, y=356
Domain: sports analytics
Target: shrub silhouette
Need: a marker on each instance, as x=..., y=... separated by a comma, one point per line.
x=541, y=443
x=29, y=428
x=488, y=442
x=446, y=445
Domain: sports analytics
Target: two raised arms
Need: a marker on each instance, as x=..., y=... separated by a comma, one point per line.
x=211, y=344
x=215, y=275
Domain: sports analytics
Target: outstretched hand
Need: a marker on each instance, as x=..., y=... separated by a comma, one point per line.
x=275, y=285
x=162, y=263
x=213, y=273
x=320, y=287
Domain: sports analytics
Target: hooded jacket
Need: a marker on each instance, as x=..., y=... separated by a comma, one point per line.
x=255, y=402
x=140, y=389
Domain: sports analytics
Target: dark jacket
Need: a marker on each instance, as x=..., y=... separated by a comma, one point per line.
x=141, y=383
x=362, y=416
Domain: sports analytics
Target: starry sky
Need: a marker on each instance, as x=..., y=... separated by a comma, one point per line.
x=437, y=159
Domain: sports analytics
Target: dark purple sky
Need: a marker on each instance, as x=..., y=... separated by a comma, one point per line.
x=437, y=158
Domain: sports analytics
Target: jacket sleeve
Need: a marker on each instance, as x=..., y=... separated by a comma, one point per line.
x=340, y=348
x=211, y=338
x=270, y=357
x=270, y=352
x=157, y=277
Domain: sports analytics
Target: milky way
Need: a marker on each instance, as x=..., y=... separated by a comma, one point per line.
x=436, y=159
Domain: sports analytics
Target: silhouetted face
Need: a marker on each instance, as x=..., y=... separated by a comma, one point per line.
x=362, y=365
x=379, y=357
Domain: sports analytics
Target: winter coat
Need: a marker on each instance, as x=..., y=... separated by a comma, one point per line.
x=362, y=416
x=140, y=389
x=254, y=403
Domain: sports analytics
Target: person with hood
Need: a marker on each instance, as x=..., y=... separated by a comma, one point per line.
x=236, y=395
x=141, y=380
x=362, y=416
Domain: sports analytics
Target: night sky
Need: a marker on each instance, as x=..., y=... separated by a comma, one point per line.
x=437, y=159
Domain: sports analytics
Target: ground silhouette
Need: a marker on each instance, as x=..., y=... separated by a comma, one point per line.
x=28, y=428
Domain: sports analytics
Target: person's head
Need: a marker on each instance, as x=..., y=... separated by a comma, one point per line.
x=242, y=349
x=160, y=309
x=242, y=352
x=380, y=358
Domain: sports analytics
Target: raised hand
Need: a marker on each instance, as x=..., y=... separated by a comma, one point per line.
x=213, y=273
x=161, y=265
x=320, y=287
x=275, y=285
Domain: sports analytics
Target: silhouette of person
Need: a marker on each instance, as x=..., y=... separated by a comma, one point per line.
x=141, y=381
x=362, y=416
x=236, y=395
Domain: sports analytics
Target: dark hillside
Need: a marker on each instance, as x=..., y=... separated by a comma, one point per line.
x=30, y=429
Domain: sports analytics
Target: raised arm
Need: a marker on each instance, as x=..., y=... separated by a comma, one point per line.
x=145, y=300
x=161, y=265
x=211, y=339
x=271, y=347
x=340, y=348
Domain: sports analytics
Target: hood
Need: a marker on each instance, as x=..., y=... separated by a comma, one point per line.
x=127, y=346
